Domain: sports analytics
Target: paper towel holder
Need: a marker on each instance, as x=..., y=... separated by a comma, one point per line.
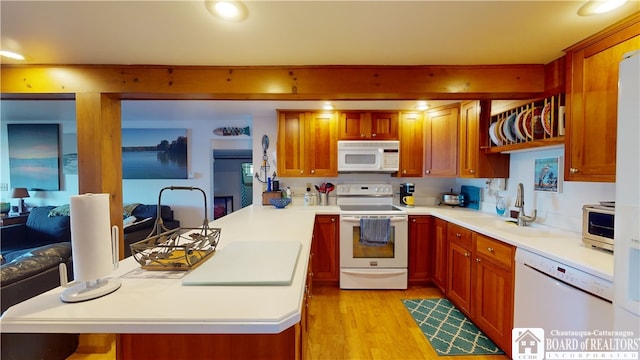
x=79, y=291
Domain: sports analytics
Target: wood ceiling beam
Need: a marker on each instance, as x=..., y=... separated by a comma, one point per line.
x=280, y=82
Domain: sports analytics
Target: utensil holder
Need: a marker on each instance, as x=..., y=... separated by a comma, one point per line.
x=324, y=199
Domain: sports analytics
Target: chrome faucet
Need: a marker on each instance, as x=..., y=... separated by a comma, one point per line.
x=523, y=219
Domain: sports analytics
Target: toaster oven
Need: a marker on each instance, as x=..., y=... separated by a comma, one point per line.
x=597, y=226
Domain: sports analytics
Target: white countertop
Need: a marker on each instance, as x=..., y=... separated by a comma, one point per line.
x=559, y=245
x=155, y=305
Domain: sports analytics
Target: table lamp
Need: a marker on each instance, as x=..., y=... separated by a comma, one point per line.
x=20, y=193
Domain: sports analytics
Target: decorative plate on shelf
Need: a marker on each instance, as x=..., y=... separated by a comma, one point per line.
x=519, y=125
x=493, y=135
x=545, y=119
x=500, y=131
x=507, y=127
x=532, y=125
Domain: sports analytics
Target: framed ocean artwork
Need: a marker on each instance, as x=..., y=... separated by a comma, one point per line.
x=154, y=154
x=34, y=156
x=548, y=175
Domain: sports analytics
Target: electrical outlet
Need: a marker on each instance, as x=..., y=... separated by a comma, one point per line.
x=4, y=187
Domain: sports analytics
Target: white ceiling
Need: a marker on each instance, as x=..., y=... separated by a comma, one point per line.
x=291, y=33
x=298, y=32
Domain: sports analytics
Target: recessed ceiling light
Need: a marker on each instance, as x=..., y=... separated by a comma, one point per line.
x=11, y=55
x=594, y=7
x=227, y=10
x=422, y=105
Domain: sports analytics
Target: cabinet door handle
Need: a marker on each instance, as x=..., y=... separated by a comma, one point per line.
x=404, y=171
x=458, y=235
x=466, y=254
x=361, y=135
x=301, y=171
x=573, y=170
x=427, y=171
x=333, y=220
x=414, y=220
x=313, y=171
x=477, y=259
x=374, y=135
x=472, y=171
x=490, y=249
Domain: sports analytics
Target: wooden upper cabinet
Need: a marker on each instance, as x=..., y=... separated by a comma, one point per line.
x=473, y=138
x=592, y=100
x=321, y=144
x=441, y=141
x=291, y=143
x=307, y=144
x=411, y=144
x=368, y=125
x=384, y=125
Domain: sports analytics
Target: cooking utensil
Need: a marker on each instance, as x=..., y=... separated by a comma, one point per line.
x=330, y=187
x=452, y=198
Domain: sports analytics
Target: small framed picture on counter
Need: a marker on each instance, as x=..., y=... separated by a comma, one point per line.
x=548, y=174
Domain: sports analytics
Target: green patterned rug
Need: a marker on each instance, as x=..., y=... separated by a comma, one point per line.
x=447, y=329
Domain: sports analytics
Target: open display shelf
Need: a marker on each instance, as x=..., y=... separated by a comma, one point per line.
x=528, y=124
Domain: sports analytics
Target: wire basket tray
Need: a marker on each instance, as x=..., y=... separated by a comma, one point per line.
x=176, y=249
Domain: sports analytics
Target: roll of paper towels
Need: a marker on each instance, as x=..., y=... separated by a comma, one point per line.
x=91, y=237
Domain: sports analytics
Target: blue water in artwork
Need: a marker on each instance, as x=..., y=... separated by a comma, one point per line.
x=35, y=174
x=153, y=165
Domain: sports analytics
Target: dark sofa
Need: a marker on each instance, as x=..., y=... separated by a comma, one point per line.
x=31, y=254
x=144, y=225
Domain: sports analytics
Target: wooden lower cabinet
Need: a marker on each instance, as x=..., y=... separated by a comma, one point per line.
x=481, y=281
x=420, y=249
x=325, y=250
x=439, y=254
x=459, y=257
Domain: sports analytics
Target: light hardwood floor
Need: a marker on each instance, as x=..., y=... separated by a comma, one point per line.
x=370, y=324
x=360, y=325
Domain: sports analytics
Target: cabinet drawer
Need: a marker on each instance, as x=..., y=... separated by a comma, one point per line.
x=459, y=235
x=496, y=250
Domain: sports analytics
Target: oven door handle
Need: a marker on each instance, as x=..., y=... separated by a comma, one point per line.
x=353, y=219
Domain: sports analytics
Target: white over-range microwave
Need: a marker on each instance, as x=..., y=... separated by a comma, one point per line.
x=368, y=156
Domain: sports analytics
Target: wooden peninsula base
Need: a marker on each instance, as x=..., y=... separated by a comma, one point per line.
x=285, y=345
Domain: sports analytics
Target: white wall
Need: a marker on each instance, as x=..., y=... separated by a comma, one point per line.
x=561, y=210
x=188, y=206
x=68, y=182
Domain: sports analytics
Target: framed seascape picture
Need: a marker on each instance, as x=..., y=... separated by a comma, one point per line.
x=34, y=156
x=154, y=154
x=548, y=175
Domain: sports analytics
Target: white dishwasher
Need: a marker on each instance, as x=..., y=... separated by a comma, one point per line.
x=554, y=296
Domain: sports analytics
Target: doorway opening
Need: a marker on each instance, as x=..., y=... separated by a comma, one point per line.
x=232, y=180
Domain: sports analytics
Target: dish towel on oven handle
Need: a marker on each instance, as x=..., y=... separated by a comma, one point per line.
x=374, y=232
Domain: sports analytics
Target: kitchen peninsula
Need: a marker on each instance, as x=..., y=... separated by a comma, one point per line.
x=157, y=317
